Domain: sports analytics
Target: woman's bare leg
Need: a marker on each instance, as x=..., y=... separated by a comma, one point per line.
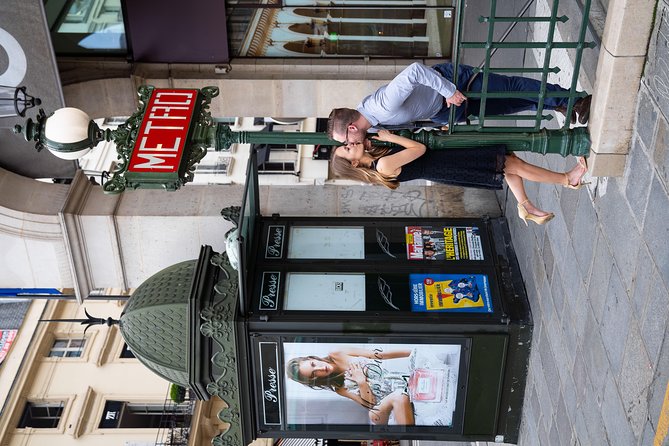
x=397, y=403
x=530, y=172
x=518, y=190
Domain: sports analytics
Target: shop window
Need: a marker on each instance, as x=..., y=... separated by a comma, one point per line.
x=126, y=352
x=398, y=29
x=81, y=27
x=277, y=158
x=67, y=348
x=125, y=415
x=41, y=415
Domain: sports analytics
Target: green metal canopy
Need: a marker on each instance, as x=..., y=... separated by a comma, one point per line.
x=180, y=323
x=154, y=323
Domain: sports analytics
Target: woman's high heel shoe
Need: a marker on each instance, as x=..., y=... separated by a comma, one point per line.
x=584, y=164
x=524, y=215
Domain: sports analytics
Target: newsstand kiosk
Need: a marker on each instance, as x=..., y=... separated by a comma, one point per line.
x=429, y=315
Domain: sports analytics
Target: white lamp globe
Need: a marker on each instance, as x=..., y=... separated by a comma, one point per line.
x=68, y=134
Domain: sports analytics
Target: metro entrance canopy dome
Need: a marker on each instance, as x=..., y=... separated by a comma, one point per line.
x=180, y=323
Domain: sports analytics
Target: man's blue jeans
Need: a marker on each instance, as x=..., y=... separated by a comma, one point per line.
x=496, y=83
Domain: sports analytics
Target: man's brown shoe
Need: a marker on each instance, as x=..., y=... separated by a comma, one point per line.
x=563, y=111
x=582, y=107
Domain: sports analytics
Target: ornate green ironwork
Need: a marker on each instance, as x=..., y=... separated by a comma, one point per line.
x=125, y=138
x=219, y=324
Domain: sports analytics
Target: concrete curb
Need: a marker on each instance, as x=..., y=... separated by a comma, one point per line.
x=619, y=69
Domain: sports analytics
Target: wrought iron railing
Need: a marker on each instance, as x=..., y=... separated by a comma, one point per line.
x=490, y=65
x=175, y=422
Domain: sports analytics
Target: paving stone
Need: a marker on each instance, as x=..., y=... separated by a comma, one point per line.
x=563, y=423
x=569, y=271
x=579, y=375
x=661, y=151
x=538, y=269
x=547, y=309
x=560, y=350
x=646, y=117
x=579, y=307
x=639, y=176
x=580, y=428
x=548, y=256
x=549, y=365
x=615, y=321
x=620, y=228
x=545, y=402
x=658, y=386
x=635, y=378
x=543, y=432
x=559, y=237
x=596, y=360
x=615, y=418
x=563, y=361
x=568, y=203
x=569, y=395
x=645, y=271
x=648, y=434
x=657, y=75
x=656, y=229
x=584, y=235
x=655, y=325
x=534, y=406
x=558, y=293
x=592, y=413
x=599, y=277
x=570, y=338
x=530, y=435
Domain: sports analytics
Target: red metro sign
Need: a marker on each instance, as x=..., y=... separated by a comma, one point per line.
x=163, y=135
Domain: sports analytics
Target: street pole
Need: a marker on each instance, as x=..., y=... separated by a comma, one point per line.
x=563, y=142
x=160, y=145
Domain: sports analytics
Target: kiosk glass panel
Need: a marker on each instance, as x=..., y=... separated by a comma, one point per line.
x=326, y=242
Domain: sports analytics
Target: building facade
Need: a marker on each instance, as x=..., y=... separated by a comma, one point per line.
x=64, y=385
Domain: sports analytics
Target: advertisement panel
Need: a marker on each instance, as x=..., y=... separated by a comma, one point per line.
x=450, y=292
x=443, y=243
x=377, y=384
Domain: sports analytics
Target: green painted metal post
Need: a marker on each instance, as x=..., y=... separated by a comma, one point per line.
x=222, y=137
x=563, y=142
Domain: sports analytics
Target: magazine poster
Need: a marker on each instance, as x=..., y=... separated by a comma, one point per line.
x=450, y=293
x=443, y=243
x=364, y=384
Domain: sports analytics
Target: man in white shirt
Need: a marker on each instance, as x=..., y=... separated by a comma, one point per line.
x=423, y=93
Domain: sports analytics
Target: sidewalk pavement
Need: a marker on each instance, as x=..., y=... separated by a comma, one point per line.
x=597, y=277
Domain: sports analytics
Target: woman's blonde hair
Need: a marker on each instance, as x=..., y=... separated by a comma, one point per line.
x=332, y=382
x=342, y=168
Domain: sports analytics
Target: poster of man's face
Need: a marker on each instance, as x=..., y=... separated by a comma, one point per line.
x=378, y=384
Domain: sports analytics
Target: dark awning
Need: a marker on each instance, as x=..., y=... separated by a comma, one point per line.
x=174, y=31
x=27, y=59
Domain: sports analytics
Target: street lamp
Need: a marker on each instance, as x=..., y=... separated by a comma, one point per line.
x=68, y=133
x=14, y=101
